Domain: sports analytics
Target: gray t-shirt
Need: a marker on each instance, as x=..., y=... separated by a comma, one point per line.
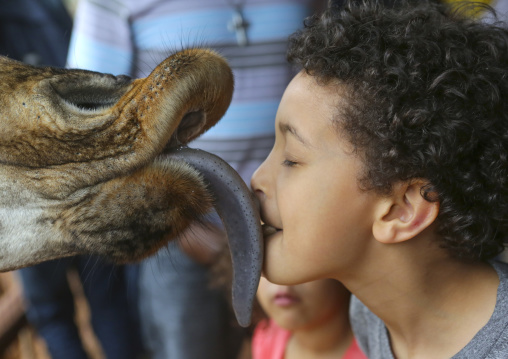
x=491, y=342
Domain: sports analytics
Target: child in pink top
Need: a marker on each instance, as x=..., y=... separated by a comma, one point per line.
x=308, y=320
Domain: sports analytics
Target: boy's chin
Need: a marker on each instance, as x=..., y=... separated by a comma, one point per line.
x=279, y=266
x=277, y=272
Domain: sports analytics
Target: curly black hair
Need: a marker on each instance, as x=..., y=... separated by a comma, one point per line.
x=427, y=95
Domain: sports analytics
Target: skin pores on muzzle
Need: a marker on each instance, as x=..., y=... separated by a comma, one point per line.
x=86, y=164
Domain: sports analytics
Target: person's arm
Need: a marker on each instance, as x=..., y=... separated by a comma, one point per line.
x=203, y=243
x=101, y=38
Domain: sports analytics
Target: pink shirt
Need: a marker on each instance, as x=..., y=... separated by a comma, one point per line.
x=269, y=342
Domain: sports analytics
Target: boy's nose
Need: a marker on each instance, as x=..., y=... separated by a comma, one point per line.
x=256, y=183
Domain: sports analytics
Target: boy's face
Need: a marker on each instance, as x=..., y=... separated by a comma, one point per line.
x=309, y=192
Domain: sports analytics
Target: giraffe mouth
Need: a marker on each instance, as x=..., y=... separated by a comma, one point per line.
x=190, y=126
x=236, y=206
x=232, y=199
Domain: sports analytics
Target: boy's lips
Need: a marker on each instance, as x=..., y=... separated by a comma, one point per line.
x=269, y=230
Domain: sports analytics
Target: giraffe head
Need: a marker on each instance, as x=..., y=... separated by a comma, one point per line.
x=86, y=164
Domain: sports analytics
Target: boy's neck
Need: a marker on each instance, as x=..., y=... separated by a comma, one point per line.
x=431, y=303
x=328, y=339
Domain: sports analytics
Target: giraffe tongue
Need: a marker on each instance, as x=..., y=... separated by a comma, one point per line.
x=239, y=213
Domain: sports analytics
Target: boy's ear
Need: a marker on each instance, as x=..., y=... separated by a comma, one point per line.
x=404, y=214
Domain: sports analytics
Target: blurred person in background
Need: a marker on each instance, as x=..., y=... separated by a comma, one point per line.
x=309, y=320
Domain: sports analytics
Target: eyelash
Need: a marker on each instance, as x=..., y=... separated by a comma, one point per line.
x=289, y=163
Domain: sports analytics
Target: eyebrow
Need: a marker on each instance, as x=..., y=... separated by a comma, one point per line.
x=286, y=127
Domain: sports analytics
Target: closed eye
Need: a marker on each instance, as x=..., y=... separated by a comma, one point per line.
x=289, y=163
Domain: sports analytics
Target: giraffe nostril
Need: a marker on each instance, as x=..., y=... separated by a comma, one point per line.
x=91, y=106
x=92, y=93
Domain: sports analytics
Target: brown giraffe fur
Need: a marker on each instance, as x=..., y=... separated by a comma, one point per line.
x=82, y=164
